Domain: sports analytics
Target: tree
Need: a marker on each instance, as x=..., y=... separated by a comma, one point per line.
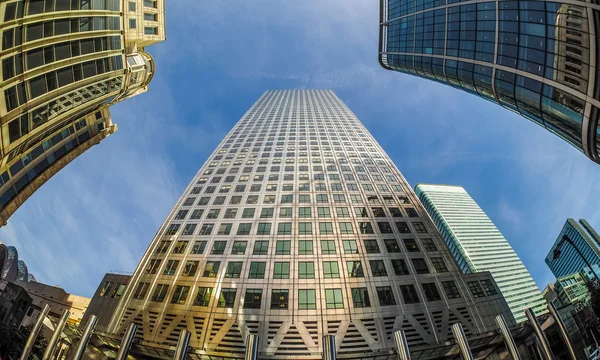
x=12, y=343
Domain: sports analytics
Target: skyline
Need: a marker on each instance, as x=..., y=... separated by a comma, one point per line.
x=528, y=181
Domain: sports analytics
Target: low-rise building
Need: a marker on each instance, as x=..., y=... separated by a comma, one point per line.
x=106, y=298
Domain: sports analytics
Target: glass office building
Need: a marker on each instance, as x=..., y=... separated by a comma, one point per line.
x=535, y=58
x=478, y=245
x=299, y=225
x=64, y=62
x=586, y=245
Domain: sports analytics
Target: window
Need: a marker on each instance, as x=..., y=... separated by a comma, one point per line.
x=206, y=229
x=252, y=199
x=180, y=247
x=203, y=296
x=198, y=247
x=400, y=267
x=409, y=294
x=284, y=229
x=420, y=266
x=160, y=292
x=285, y=212
x=282, y=247
x=331, y=269
x=307, y=299
x=323, y=212
x=419, y=227
x=248, y=213
x=304, y=212
x=402, y=227
x=304, y=199
x=211, y=269
x=227, y=298
x=431, y=292
x=239, y=248
x=391, y=245
x=333, y=299
x=218, y=248
x=281, y=270
x=342, y=212
x=257, y=270
x=322, y=198
x=360, y=298
x=304, y=228
x=234, y=269
x=131, y=6
x=263, y=229
x=377, y=268
x=172, y=229
x=197, y=214
x=328, y=247
x=305, y=247
x=365, y=228
x=269, y=199
x=140, y=291
x=355, y=269
x=180, y=294
x=190, y=268
x=439, y=265
x=475, y=289
x=132, y=24
x=411, y=245
x=350, y=247
x=279, y=299
x=378, y=212
x=171, y=267
x=395, y=212
x=428, y=244
x=244, y=229
x=224, y=229
x=287, y=199
x=252, y=299
x=371, y=246
x=451, y=289
x=325, y=228
x=346, y=228
x=488, y=287
x=386, y=296
x=260, y=248
x=306, y=270
x=361, y=212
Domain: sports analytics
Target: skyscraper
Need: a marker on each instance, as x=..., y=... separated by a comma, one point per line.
x=535, y=58
x=586, y=243
x=64, y=62
x=300, y=225
x=478, y=245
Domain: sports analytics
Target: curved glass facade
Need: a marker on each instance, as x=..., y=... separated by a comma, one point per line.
x=535, y=58
x=297, y=226
x=62, y=62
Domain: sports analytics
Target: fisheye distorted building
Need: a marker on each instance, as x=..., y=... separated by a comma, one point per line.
x=297, y=226
x=64, y=62
x=584, y=249
x=478, y=245
x=535, y=58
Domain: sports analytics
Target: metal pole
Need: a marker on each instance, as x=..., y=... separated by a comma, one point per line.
x=401, y=345
x=563, y=329
x=182, y=345
x=85, y=337
x=251, y=347
x=34, y=333
x=508, y=339
x=329, y=347
x=60, y=325
x=461, y=340
x=126, y=342
x=545, y=347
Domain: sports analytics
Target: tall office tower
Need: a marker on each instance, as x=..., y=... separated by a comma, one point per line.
x=535, y=58
x=478, y=245
x=64, y=62
x=572, y=257
x=299, y=225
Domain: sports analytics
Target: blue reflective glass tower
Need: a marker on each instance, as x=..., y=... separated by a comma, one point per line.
x=535, y=58
x=585, y=245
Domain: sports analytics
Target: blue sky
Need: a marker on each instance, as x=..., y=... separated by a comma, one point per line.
x=101, y=212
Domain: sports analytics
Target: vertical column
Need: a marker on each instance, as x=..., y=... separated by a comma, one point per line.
x=508, y=339
x=251, y=347
x=85, y=337
x=126, y=342
x=34, y=333
x=60, y=325
x=545, y=346
x=563, y=329
x=401, y=345
x=329, y=347
x=461, y=341
x=182, y=345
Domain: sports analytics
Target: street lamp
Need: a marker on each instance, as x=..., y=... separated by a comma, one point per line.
x=556, y=253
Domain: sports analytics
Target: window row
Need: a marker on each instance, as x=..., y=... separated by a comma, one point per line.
x=17, y=9
x=301, y=199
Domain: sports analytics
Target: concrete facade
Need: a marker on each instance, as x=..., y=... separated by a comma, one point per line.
x=106, y=298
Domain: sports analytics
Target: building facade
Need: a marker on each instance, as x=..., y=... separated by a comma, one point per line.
x=535, y=58
x=297, y=226
x=106, y=298
x=572, y=258
x=478, y=245
x=64, y=62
